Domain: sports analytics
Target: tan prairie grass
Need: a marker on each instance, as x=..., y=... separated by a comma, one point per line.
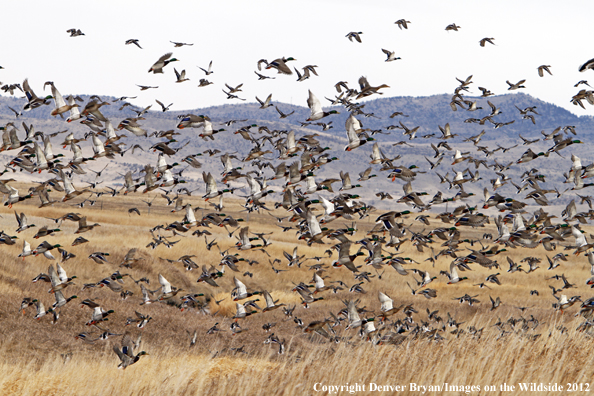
x=41, y=358
x=461, y=361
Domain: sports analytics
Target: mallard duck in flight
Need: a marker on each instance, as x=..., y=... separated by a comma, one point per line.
x=354, y=35
x=316, y=108
x=279, y=64
x=367, y=90
x=133, y=41
x=391, y=55
x=33, y=101
x=163, y=61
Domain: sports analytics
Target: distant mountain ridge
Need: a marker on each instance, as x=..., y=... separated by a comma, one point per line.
x=428, y=113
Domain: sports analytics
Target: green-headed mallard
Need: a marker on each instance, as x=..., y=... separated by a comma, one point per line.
x=163, y=61
x=126, y=354
x=316, y=108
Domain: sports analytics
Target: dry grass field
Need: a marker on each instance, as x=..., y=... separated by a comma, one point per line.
x=43, y=358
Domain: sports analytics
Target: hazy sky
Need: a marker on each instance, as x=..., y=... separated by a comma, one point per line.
x=236, y=34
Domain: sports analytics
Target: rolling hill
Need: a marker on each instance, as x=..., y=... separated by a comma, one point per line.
x=428, y=113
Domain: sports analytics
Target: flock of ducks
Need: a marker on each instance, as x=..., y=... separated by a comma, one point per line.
x=290, y=162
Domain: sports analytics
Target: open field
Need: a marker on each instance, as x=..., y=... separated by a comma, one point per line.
x=406, y=211
x=44, y=359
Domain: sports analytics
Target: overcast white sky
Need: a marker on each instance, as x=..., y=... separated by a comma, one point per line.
x=236, y=34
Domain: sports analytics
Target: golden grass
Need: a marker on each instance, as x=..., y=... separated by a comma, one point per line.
x=42, y=358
